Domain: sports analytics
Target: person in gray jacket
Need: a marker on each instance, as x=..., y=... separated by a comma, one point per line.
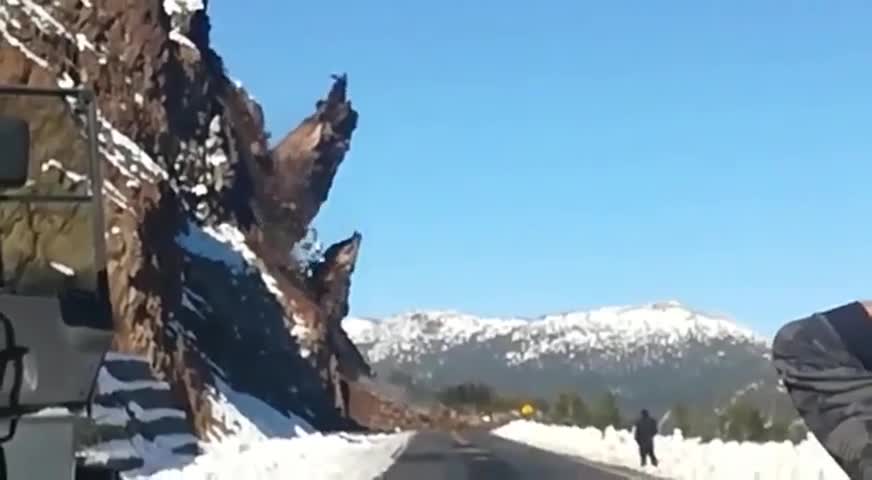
x=825, y=362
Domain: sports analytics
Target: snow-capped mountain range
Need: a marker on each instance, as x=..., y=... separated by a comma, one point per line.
x=619, y=332
x=658, y=353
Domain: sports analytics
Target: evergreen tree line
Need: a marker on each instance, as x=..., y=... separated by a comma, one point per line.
x=739, y=422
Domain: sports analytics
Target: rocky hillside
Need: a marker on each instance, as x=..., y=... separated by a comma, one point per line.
x=651, y=355
x=228, y=318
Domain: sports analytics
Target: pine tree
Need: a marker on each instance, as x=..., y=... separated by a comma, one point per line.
x=475, y=395
x=797, y=431
x=607, y=412
x=542, y=405
x=560, y=410
x=571, y=409
x=743, y=422
x=682, y=419
x=778, y=431
x=755, y=425
x=398, y=377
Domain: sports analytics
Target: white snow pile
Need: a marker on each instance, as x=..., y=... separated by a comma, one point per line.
x=313, y=457
x=682, y=458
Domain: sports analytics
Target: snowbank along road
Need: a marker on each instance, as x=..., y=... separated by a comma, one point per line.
x=481, y=456
x=681, y=458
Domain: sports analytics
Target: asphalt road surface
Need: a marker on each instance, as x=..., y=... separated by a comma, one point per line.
x=479, y=456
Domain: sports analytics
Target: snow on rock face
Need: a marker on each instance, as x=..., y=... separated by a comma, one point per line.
x=248, y=419
x=681, y=458
x=308, y=251
x=172, y=7
x=180, y=11
x=360, y=329
x=225, y=243
x=123, y=153
x=140, y=426
x=209, y=243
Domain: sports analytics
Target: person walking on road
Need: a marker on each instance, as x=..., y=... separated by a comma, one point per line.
x=646, y=430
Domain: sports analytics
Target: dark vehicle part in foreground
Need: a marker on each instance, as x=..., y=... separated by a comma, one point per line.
x=55, y=317
x=825, y=362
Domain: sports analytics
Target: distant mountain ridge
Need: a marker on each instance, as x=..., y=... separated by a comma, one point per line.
x=650, y=355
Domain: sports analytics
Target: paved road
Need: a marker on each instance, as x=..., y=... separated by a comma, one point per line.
x=479, y=456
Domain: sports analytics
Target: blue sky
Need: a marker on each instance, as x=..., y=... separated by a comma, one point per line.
x=514, y=158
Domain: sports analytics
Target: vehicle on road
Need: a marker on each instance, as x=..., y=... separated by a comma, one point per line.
x=56, y=320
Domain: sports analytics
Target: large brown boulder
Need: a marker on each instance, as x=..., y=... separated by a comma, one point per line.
x=200, y=211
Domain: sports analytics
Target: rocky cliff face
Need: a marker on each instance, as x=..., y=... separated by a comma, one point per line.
x=205, y=221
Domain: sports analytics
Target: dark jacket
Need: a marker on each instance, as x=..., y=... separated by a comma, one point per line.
x=646, y=429
x=825, y=361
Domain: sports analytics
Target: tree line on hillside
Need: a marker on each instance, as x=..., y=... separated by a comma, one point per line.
x=741, y=421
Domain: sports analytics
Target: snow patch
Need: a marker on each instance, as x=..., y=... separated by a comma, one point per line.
x=52, y=412
x=181, y=39
x=63, y=269
x=363, y=331
x=174, y=7
x=308, y=250
x=199, y=190
x=157, y=454
x=117, y=404
x=4, y=18
x=47, y=24
x=212, y=242
x=56, y=165
x=188, y=299
x=120, y=417
x=208, y=243
x=109, y=384
x=130, y=153
x=215, y=155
